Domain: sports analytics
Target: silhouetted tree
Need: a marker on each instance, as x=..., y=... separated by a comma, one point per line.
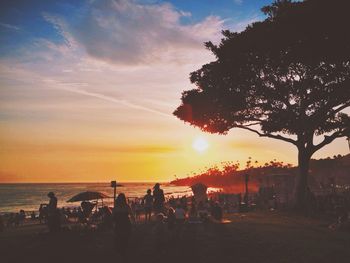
x=286, y=78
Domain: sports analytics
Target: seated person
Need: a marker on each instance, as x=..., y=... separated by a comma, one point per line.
x=180, y=214
x=87, y=208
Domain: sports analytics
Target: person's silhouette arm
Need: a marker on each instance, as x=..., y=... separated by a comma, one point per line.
x=131, y=213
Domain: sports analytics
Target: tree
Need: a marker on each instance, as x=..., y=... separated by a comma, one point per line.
x=285, y=78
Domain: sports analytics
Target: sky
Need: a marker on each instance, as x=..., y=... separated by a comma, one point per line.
x=88, y=87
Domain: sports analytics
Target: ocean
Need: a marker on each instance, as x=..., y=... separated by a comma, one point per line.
x=28, y=197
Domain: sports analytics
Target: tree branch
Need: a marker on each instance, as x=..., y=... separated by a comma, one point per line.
x=252, y=124
x=344, y=106
x=328, y=140
x=278, y=137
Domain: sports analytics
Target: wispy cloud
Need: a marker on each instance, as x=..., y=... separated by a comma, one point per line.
x=238, y=2
x=11, y=27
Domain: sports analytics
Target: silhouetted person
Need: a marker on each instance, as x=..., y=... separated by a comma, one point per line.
x=87, y=208
x=10, y=220
x=53, y=219
x=148, y=203
x=159, y=198
x=171, y=219
x=159, y=232
x=43, y=213
x=107, y=220
x=122, y=224
x=17, y=219
x=2, y=224
x=80, y=215
x=32, y=216
x=216, y=212
x=193, y=213
x=180, y=214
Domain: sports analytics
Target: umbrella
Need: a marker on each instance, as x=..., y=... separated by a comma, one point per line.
x=84, y=196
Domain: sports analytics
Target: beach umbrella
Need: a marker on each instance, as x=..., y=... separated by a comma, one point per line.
x=86, y=196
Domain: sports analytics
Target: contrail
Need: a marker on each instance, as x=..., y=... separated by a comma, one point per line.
x=63, y=86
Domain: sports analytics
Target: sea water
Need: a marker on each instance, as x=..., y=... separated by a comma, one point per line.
x=28, y=197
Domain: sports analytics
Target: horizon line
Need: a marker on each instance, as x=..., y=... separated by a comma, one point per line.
x=82, y=182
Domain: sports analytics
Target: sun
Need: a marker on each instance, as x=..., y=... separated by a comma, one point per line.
x=200, y=145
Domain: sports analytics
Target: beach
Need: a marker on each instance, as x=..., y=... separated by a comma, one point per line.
x=242, y=237
x=28, y=197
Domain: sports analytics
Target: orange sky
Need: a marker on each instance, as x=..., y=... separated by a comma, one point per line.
x=75, y=152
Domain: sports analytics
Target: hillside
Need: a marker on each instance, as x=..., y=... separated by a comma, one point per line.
x=231, y=178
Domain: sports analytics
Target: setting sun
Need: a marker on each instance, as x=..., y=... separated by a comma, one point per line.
x=200, y=144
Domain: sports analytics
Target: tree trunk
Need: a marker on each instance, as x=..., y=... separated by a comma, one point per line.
x=302, y=181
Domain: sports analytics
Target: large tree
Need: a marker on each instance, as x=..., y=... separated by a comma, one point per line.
x=286, y=78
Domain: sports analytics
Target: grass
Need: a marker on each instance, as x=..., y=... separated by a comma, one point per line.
x=253, y=237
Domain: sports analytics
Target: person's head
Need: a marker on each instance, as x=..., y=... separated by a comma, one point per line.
x=121, y=200
x=51, y=194
x=156, y=186
x=160, y=217
x=171, y=211
x=149, y=191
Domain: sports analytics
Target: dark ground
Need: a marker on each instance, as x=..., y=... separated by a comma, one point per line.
x=253, y=237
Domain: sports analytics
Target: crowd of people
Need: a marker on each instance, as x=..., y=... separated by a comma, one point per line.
x=164, y=215
x=169, y=217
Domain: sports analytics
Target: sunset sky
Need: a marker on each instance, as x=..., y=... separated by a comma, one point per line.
x=87, y=90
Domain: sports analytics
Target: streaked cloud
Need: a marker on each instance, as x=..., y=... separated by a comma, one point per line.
x=72, y=87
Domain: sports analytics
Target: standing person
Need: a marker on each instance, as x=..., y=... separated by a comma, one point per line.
x=122, y=224
x=171, y=219
x=159, y=198
x=53, y=219
x=159, y=231
x=2, y=224
x=148, y=202
x=217, y=212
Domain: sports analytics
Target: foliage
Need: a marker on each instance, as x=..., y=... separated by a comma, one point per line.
x=289, y=74
x=287, y=78
x=228, y=174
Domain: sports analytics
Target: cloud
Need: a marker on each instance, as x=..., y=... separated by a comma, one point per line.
x=126, y=32
x=239, y=26
x=6, y=177
x=45, y=148
x=238, y=2
x=76, y=88
x=9, y=26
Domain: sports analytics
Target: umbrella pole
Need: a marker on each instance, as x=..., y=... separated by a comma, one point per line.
x=114, y=185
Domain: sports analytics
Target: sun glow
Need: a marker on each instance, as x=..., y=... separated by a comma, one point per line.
x=200, y=145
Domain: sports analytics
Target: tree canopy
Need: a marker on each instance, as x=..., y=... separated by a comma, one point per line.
x=287, y=77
